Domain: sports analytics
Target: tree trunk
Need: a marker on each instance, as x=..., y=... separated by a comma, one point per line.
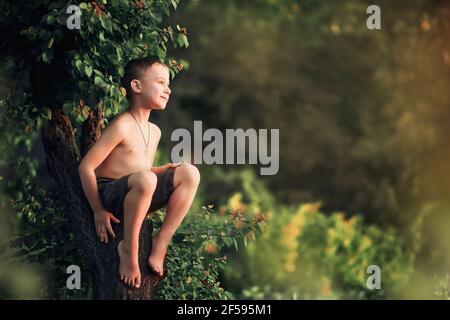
x=62, y=158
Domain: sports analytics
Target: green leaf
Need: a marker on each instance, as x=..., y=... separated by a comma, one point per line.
x=85, y=111
x=50, y=42
x=62, y=20
x=160, y=52
x=84, y=85
x=67, y=107
x=108, y=25
x=79, y=64
x=88, y=71
x=45, y=57
x=119, y=54
x=166, y=11
x=99, y=82
x=50, y=19
x=116, y=106
x=182, y=40
x=48, y=113
x=121, y=71
x=228, y=241
x=103, y=19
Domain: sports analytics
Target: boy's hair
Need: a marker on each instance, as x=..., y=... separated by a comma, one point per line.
x=135, y=69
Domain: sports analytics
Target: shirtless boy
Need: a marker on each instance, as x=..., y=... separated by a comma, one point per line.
x=118, y=177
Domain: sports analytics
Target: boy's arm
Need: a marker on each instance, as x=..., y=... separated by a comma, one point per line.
x=160, y=169
x=109, y=139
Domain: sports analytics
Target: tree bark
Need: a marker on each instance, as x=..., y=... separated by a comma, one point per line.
x=62, y=159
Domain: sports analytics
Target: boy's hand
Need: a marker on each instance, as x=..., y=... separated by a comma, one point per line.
x=103, y=224
x=172, y=165
x=169, y=165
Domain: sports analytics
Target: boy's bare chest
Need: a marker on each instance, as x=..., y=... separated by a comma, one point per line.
x=134, y=151
x=132, y=147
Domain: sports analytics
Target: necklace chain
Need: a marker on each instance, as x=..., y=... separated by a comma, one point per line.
x=148, y=135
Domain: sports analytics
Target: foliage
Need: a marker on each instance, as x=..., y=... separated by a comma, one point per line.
x=42, y=234
x=442, y=287
x=196, y=256
x=315, y=255
x=81, y=69
x=318, y=257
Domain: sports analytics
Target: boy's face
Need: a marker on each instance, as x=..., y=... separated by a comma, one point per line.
x=153, y=87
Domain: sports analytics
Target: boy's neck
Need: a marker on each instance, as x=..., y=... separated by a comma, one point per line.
x=141, y=114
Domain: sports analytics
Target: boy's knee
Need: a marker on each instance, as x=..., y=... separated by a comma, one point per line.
x=191, y=174
x=145, y=181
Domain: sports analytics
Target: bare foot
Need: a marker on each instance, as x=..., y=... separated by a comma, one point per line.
x=128, y=269
x=156, y=259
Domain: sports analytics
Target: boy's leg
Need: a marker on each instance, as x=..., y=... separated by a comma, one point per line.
x=186, y=180
x=136, y=204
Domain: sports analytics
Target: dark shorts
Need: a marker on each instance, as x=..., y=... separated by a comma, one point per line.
x=113, y=192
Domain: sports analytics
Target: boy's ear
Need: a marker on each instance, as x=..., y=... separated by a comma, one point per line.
x=135, y=86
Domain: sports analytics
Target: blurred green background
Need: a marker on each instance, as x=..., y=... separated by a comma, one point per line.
x=364, y=151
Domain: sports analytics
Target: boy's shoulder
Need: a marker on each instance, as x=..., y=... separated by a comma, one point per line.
x=119, y=123
x=124, y=122
x=156, y=128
